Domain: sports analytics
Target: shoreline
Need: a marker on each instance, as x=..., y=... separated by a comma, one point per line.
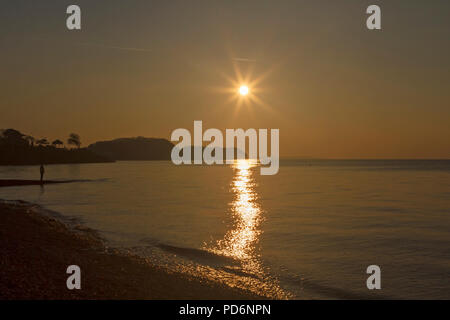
x=16, y=183
x=36, y=250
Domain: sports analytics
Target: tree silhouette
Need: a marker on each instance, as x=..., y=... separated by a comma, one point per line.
x=42, y=142
x=57, y=143
x=74, y=139
x=13, y=137
x=31, y=140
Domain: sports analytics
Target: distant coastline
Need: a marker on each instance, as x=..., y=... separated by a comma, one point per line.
x=17, y=148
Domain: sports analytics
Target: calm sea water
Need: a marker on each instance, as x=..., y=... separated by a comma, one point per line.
x=308, y=232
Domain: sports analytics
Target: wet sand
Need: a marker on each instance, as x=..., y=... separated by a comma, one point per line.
x=14, y=183
x=35, y=251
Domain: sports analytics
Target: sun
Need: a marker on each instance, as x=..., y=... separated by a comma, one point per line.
x=243, y=90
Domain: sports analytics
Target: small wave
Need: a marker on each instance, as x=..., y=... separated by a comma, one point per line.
x=303, y=288
x=199, y=255
x=215, y=267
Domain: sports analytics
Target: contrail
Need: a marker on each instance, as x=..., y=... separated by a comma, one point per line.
x=99, y=45
x=111, y=47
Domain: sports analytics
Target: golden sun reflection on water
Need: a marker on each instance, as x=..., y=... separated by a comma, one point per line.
x=240, y=242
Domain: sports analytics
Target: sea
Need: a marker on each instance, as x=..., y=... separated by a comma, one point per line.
x=309, y=232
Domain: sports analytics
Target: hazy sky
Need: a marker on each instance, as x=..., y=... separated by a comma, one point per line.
x=145, y=68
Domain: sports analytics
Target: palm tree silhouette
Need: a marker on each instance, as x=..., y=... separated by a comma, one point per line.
x=42, y=142
x=74, y=139
x=57, y=143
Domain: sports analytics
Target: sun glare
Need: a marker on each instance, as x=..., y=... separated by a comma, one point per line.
x=243, y=90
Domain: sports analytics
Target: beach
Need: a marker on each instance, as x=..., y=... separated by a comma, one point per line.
x=36, y=251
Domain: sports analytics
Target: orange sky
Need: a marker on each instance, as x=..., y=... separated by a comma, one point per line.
x=332, y=87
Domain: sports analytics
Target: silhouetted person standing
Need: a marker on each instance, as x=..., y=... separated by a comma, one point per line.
x=42, y=173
